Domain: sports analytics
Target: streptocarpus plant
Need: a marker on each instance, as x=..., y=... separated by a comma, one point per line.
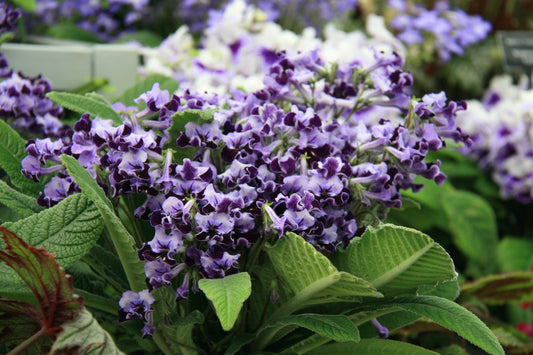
x=264, y=209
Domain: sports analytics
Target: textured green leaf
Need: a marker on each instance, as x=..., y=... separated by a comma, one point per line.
x=23, y=204
x=68, y=230
x=86, y=104
x=84, y=335
x=499, y=289
x=227, y=295
x=336, y=327
x=301, y=266
x=165, y=83
x=12, y=151
x=397, y=260
x=447, y=289
x=122, y=239
x=473, y=225
x=515, y=254
x=454, y=317
x=372, y=347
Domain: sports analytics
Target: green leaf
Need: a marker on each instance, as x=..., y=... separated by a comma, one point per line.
x=310, y=279
x=499, y=289
x=68, y=230
x=179, y=120
x=447, y=289
x=165, y=83
x=227, y=295
x=122, y=239
x=84, y=335
x=397, y=260
x=301, y=266
x=454, y=317
x=514, y=254
x=17, y=201
x=28, y=5
x=336, y=327
x=12, y=151
x=372, y=347
x=95, y=106
x=146, y=38
x=473, y=226
x=73, y=32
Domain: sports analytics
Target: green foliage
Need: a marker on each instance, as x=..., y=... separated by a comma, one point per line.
x=68, y=230
x=146, y=38
x=146, y=84
x=84, y=334
x=12, y=151
x=227, y=295
x=499, y=289
x=94, y=104
x=397, y=260
x=72, y=32
x=473, y=226
x=514, y=254
x=372, y=347
x=28, y=5
x=336, y=327
x=122, y=239
x=23, y=204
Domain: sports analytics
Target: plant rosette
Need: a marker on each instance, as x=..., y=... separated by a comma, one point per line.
x=249, y=222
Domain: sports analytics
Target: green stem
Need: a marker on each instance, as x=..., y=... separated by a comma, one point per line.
x=159, y=340
x=28, y=342
x=292, y=305
x=98, y=302
x=102, y=273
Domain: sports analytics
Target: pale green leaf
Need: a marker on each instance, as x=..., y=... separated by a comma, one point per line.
x=28, y=5
x=473, y=226
x=23, y=204
x=165, y=83
x=454, y=317
x=397, y=260
x=84, y=335
x=514, y=254
x=12, y=151
x=446, y=289
x=68, y=230
x=336, y=327
x=86, y=104
x=122, y=239
x=227, y=295
x=372, y=347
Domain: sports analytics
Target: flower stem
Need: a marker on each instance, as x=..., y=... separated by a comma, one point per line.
x=28, y=342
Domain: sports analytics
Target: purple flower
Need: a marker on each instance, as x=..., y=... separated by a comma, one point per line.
x=135, y=305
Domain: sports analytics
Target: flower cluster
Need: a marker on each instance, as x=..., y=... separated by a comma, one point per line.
x=8, y=18
x=239, y=45
x=500, y=127
x=321, y=150
x=24, y=104
x=449, y=31
x=106, y=19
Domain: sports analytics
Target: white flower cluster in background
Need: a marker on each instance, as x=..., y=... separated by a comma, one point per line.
x=501, y=127
x=239, y=44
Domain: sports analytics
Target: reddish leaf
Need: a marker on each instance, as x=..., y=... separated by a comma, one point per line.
x=498, y=289
x=47, y=280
